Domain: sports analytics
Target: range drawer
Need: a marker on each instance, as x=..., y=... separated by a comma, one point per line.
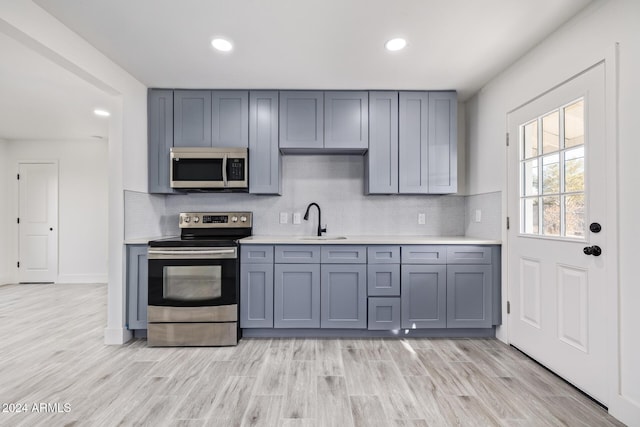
x=256, y=254
x=460, y=254
x=343, y=254
x=424, y=254
x=383, y=254
x=297, y=254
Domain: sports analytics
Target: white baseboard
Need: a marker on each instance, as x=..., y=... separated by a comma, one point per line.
x=117, y=336
x=82, y=278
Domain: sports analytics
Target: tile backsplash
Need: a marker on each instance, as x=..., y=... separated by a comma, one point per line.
x=336, y=183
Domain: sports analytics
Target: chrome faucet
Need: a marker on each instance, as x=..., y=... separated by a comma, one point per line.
x=306, y=218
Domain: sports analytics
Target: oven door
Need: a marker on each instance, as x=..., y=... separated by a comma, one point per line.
x=193, y=276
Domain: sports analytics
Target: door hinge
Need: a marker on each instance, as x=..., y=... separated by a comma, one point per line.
x=18, y=264
x=508, y=225
x=508, y=307
x=507, y=139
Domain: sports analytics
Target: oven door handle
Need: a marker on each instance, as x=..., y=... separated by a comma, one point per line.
x=191, y=253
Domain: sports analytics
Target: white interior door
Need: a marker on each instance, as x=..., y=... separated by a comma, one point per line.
x=556, y=190
x=38, y=222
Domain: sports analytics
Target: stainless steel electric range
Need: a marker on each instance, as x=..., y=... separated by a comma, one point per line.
x=194, y=281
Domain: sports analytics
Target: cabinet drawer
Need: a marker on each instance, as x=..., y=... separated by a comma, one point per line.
x=344, y=254
x=383, y=254
x=424, y=254
x=255, y=254
x=383, y=279
x=297, y=254
x=384, y=314
x=469, y=255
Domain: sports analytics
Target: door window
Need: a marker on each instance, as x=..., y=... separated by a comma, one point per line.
x=552, y=170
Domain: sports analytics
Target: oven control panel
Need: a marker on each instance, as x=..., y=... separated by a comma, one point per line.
x=215, y=220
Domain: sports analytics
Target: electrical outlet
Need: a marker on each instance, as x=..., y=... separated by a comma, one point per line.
x=284, y=217
x=422, y=218
x=297, y=217
x=478, y=215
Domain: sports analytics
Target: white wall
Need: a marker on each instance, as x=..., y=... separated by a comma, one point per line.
x=29, y=24
x=4, y=206
x=82, y=205
x=582, y=42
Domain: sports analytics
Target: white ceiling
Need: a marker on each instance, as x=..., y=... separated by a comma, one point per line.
x=284, y=44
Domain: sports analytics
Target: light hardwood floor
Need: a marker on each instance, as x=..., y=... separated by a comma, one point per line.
x=52, y=352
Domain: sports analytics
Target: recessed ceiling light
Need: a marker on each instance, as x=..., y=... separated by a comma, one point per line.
x=222, y=45
x=395, y=44
x=101, y=113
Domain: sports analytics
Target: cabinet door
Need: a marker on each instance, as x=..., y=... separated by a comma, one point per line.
x=230, y=118
x=192, y=118
x=160, y=139
x=343, y=296
x=301, y=118
x=137, y=286
x=469, y=296
x=443, y=142
x=384, y=314
x=381, y=160
x=413, y=138
x=346, y=120
x=265, y=176
x=423, y=296
x=383, y=279
x=296, y=296
x=256, y=296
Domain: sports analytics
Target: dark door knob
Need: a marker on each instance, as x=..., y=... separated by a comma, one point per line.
x=595, y=227
x=592, y=250
x=50, y=228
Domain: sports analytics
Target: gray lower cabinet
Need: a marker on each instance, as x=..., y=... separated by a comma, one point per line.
x=160, y=139
x=383, y=279
x=256, y=296
x=469, y=296
x=381, y=161
x=343, y=302
x=384, y=313
x=192, y=118
x=296, y=301
x=424, y=296
x=137, y=286
x=265, y=169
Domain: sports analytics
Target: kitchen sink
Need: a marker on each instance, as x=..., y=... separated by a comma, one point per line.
x=322, y=238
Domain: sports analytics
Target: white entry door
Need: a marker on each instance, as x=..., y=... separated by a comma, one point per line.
x=557, y=256
x=38, y=222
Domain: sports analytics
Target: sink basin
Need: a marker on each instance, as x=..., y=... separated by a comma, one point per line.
x=322, y=238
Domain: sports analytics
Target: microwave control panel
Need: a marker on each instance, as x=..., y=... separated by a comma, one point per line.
x=236, y=169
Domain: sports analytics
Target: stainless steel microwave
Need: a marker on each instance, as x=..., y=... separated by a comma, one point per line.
x=206, y=168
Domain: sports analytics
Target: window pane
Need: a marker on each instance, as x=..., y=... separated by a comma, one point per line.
x=574, y=215
x=530, y=144
x=574, y=124
x=574, y=170
x=530, y=177
x=551, y=216
x=531, y=215
x=550, y=174
x=551, y=132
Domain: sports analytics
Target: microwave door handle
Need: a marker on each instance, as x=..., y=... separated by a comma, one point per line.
x=224, y=170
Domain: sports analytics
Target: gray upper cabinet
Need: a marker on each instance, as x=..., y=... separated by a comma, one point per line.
x=296, y=301
x=469, y=296
x=265, y=170
x=301, y=120
x=413, y=134
x=192, y=118
x=381, y=160
x=443, y=142
x=230, y=118
x=423, y=296
x=160, y=139
x=137, y=286
x=346, y=120
x=343, y=293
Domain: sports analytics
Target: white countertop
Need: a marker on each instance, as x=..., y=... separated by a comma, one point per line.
x=368, y=240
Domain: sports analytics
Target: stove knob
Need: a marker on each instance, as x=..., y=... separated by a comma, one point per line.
x=187, y=219
x=196, y=219
x=234, y=219
x=243, y=219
